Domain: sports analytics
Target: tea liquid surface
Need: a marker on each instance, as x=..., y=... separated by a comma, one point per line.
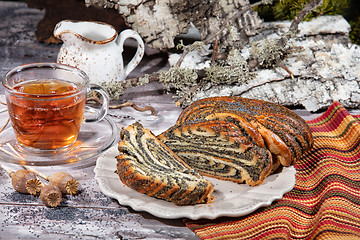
x=52, y=119
x=45, y=87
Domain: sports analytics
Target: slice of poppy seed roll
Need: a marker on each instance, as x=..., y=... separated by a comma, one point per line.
x=148, y=166
x=221, y=150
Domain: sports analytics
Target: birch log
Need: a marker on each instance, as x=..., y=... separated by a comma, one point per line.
x=324, y=63
x=159, y=22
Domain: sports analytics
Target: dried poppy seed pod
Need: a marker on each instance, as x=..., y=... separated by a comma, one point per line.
x=25, y=181
x=51, y=195
x=65, y=182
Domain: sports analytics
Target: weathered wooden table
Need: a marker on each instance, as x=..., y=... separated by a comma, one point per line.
x=90, y=214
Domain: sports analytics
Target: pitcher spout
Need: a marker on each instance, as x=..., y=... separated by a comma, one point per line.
x=86, y=31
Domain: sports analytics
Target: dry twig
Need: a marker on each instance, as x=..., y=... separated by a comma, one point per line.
x=3, y=127
x=181, y=59
x=126, y=104
x=287, y=70
x=298, y=18
x=133, y=105
x=215, y=51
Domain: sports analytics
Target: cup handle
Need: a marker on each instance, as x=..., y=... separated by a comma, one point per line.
x=101, y=113
x=128, y=33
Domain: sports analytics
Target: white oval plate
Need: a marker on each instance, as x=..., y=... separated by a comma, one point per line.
x=230, y=199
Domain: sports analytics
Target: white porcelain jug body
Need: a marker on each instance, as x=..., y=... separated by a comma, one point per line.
x=96, y=48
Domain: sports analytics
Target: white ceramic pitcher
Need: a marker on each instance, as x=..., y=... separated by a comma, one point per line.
x=96, y=48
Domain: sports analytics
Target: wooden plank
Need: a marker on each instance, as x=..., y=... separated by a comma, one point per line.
x=90, y=214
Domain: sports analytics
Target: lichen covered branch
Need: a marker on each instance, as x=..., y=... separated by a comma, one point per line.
x=232, y=70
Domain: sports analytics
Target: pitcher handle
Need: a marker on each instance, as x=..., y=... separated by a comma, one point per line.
x=128, y=33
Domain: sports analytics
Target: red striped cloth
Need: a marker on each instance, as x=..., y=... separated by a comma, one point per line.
x=325, y=202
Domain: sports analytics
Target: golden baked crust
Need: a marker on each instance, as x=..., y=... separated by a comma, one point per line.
x=148, y=166
x=285, y=133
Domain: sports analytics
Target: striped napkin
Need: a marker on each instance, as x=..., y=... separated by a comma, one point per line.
x=325, y=202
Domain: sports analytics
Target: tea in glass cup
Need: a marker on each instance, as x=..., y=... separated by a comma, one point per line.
x=46, y=103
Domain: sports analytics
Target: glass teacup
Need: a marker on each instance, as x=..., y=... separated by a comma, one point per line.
x=46, y=103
